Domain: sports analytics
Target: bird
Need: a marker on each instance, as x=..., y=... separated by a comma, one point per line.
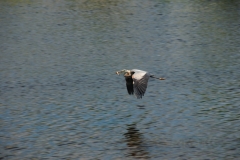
x=136, y=81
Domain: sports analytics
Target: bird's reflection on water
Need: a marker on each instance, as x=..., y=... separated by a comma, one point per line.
x=135, y=143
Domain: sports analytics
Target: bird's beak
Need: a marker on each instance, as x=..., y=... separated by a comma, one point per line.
x=117, y=73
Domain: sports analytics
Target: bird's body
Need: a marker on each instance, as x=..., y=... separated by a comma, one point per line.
x=136, y=81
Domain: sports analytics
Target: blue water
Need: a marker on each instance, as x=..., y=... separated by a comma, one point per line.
x=61, y=99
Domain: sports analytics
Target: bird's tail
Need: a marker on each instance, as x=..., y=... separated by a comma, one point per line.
x=152, y=76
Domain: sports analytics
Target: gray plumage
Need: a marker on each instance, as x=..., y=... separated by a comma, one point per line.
x=136, y=81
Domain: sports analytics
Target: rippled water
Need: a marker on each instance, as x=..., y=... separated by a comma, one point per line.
x=61, y=99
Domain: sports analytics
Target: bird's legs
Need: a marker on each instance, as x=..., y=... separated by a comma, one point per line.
x=152, y=76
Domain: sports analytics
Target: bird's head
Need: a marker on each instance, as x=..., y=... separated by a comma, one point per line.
x=124, y=71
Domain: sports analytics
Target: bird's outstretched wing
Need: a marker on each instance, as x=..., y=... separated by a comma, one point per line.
x=129, y=84
x=140, y=81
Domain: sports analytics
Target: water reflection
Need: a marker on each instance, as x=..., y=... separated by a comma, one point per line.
x=135, y=143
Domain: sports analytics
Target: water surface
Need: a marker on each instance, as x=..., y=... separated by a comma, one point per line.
x=60, y=97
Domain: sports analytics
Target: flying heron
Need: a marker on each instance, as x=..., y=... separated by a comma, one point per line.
x=136, y=81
